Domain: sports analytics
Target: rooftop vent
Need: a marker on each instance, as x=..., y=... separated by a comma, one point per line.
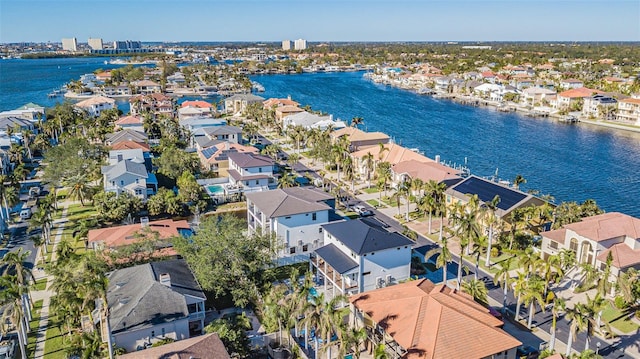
x=165, y=279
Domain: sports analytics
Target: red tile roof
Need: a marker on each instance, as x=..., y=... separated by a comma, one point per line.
x=623, y=256
x=204, y=346
x=129, y=120
x=606, y=226
x=434, y=321
x=579, y=92
x=198, y=104
x=122, y=235
x=426, y=170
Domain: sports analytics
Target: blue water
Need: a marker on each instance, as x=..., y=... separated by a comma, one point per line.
x=567, y=161
x=215, y=188
x=570, y=162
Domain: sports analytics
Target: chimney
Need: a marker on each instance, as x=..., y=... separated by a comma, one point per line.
x=144, y=222
x=165, y=279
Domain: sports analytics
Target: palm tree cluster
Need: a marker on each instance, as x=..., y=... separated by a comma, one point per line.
x=296, y=306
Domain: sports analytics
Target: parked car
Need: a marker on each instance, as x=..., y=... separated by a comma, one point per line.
x=362, y=211
x=527, y=352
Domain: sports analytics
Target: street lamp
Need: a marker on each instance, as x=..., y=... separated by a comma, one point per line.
x=597, y=347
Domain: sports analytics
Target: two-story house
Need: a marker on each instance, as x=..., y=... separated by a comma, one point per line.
x=147, y=87
x=251, y=172
x=155, y=104
x=600, y=106
x=126, y=135
x=239, y=102
x=216, y=157
x=361, y=255
x=208, y=136
x=134, y=123
x=152, y=302
x=295, y=215
x=95, y=105
x=116, y=156
x=129, y=176
x=629, y=111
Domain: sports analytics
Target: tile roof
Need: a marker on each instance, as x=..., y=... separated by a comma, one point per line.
x=355, y=134
x=426, y=170
x=631, y=100
x=202, y=347
x=126, y=135
x=245, y=97
x=623, y=256
x=96, y=100
x=129, y=120
x=362, y=236
x=245, y=160
x=281, y=202
x=339, y=261
x=556, y=235
x=122, y=235
x=394, y=154
x=125, y=145
x=198, y=104
x=579, y=92
x=434, y=321
x=288, y=109
x=279, y=102
x=606, y=226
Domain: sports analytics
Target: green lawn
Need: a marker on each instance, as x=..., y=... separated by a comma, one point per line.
x=371, y=190
x=618, y=319
x=374, y=202
x=54, y=345
x=41, y=284
x=33, y=325
x=351, y=215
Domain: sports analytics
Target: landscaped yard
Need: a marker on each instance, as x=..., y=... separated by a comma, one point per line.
x=41, y=284
x=371, y=190
x=374, y=203
x=619, y=319
x=54, y=345
x=33, y=326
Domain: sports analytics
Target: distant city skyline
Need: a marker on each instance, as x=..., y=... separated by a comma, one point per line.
x=315, y=20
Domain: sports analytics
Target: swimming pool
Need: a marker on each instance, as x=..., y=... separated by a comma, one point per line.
x=216, y=188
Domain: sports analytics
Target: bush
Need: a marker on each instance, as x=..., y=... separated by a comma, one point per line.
x=495, y=252
x=620, y=303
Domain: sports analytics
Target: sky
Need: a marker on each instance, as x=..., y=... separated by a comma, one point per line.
x=320, y=20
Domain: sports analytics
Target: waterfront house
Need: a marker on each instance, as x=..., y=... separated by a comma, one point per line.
x=134, y=123
x=204, y=346
x=389, y=152
x=279, y=102
x=30, y=111
x=17, y=124
x=419, y=319
x=294, y=215
x=126, y=135
x=536, y=96
x=96, y=104
x=600, y=106
x=282, y=112
x=152, y=302
x=358, y=139
x=190, y=109
x=238, y=103
x=146, y=87
x=110, y=238
x=103, y=76
x=488, y=76
x=216, y=158
x=155, y=104
x=361, y=255
x=425, y=171
x=116, y=91
x=208, y=136
x=571, y=84
x=629, y=111
x=575, y=97
x=310, y=120
x=594, y=238
x=129, y=176
x=510, y=198
x=249, y=172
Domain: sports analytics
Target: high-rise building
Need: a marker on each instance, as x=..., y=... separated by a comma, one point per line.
x=95, y=44
x=286, y=44
x=126, y=45
x=70, y=44
x=300, y=44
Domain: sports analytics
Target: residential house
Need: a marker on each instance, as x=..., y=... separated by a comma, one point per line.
x=574, y=98
x=15, y=124
x=103, y=76
x=294, y=215
x=134, y=123
x=152, y=302
x=571, y=84
x=600, y=106
x=536, y=96
x=208, y=136
x=216, y=157
x=629, y=111
x=111, y=238
x=146, y=87
x=238, y=103
x=486, y=190
x=155, y=104
x=134, y=154
x=389, y=152
x=95, y=105
x=594, y=238
x=361, y=255
x=190, y=109
x=488, y=76
x=116, y=91
x=30, y=111
x=126, y=135
x=358, y=139
x=201, y=347
x=129, y=145
x=279, y=102
x=309, y=120
x=129, y=176
x=282, y=112
x=425, y=171
x=419, y=319
x=251, y=172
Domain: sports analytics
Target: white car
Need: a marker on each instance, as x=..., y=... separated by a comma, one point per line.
x=363, y=212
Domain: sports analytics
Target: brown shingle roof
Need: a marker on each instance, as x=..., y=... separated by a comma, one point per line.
x=130, y=145
x=434, y=321
x=202, y=347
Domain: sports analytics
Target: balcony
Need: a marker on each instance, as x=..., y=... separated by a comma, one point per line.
x=196, y=316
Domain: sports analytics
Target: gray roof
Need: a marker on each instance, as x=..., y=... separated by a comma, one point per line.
x=126, y=135
x=203, y=120
x=304, y=119
x=245, y=160
x=182, y=280
x=205, y=142
x=364, y=237
x=279, y=202
x=246, y=97
x=136, y=300
x=336, y=259
x=126, y=166
x=221, y=130
x=13, y=122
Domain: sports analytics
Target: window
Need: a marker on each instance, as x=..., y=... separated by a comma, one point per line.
x=113, y=183
x=305, y=247
x=553, y=245
x=163, y=332
x=287, y=217
x=320, y=230
x=314, y=216
x=121, y=182
x=260, y=169
x=292, y=250
x=137, y=180
x=153, y=333
x=257, y=182
x=138, y=192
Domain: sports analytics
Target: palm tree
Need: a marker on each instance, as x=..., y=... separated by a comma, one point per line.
x=533, y=292
x=519, y=287
x=383, y=171
x=15, y=265
x=477, y=289
x=427, y=204
x=518, y=181
x=558, y=306
x=465, y=227
x=592, y=310
x=603, y=283
x=503, y=278
x=627, y=284
x=334, y=312
x=578, y=323
x=443, y=259
x=380, y=352
x=352, y=341
x=403, y=191
x=490, y=219
x=356, y=121
x=369, y=165
x=79, y=187
x=11, y=300
x=27, y=135
x=288, y=179
x=8, y=194
x=479, y=246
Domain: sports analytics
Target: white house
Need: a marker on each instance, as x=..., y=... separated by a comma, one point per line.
x=152, y=302
x=209, y=136
x=95, y=105
x=134, y=123
x=310, y=120
x=361, y=255
x=295, y=215
x=629, y=110
x=600, y=106
x=238, y=103
x=129, y=176
x=251, y=172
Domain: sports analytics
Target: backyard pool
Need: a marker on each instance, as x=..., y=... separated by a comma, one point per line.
x=216, y=188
